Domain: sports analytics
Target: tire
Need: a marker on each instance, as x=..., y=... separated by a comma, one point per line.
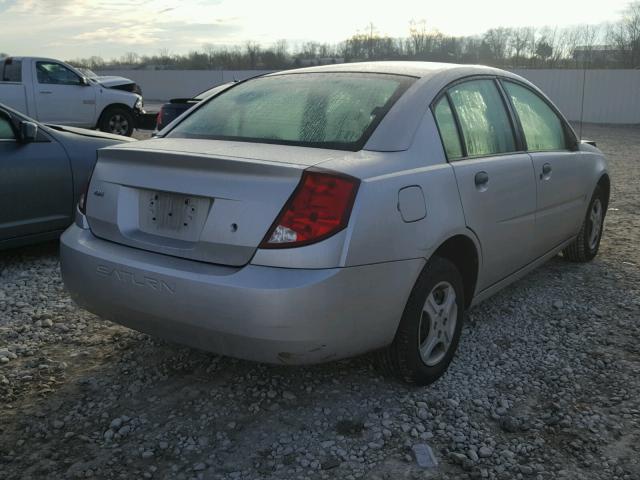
x=117, y=120
x=585, y=246
x=403, y=359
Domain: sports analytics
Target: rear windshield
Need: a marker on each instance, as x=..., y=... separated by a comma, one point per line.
x=326, y=110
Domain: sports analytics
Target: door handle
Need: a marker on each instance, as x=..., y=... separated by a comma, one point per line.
x=45, y=91
x=481, y=179
x=546, y=171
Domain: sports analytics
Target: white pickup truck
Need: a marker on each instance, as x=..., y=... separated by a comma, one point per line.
x=54, y=92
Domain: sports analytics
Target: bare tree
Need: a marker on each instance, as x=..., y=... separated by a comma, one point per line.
x=625, y=36
x=253, y=52
x=496, y=42
x=522, y=43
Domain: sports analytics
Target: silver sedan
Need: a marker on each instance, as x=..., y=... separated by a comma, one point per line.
x=321, y=213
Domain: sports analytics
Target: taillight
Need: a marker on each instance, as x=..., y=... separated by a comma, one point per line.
x=159, y=120
x=318, y=208
x=82, y=201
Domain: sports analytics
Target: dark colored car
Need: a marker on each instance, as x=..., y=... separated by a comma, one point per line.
x=177, y=106
x=43, y=171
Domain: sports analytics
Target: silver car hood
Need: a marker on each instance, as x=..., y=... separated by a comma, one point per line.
x=85, y=132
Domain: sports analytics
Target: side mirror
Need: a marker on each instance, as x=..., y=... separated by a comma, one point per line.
x=84, y=81
x=28, y=132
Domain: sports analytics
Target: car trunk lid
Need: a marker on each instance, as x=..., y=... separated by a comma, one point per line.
x=205, y=200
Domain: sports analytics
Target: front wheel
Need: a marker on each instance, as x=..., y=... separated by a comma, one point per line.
x=117, y=120
x=585, y=246
x=430, y=328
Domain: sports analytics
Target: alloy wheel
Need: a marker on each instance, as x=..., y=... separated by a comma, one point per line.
x=118, y=124
x=595, y=221
x=437, y=323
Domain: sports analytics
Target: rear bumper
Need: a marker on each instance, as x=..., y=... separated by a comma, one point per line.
x=266, y=314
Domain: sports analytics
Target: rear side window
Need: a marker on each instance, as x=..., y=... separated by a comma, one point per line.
x=6, y=132
x=448, y=130
x=12, y=71
x=484, y=121
x=55, y=74
x=325, y=110
x=543, y=129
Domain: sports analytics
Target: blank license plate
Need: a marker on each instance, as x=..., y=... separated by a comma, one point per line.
x=172, y=215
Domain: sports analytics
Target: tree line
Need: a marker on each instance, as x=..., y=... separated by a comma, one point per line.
x=615, y=45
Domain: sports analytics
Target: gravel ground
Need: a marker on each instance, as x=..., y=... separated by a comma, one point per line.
x=546, y=384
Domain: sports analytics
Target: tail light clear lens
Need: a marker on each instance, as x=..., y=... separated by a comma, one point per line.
x=318, y=208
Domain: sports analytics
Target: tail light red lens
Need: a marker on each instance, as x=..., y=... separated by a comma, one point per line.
x=82, y=201
x=159, y=119
x=318, y=208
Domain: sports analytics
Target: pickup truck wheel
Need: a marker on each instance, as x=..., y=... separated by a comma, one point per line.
x=117, y=120
x=585, y=247
x=430, y=328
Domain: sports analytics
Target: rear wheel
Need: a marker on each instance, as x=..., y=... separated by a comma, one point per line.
x=430, y=328
x=585, y=246
x=117, y=120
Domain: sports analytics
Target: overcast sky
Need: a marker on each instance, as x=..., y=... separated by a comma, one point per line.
x=109, y=28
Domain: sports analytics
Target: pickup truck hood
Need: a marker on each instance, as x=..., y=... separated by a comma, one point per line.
x=112, y=81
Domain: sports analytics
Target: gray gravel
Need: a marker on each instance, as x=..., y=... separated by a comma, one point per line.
x=546, y=384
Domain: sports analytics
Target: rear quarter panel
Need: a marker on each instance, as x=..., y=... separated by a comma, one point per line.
x=377, y=232
x=595, y=165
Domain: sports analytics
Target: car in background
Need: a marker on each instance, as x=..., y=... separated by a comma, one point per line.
x=316, y=214
x=43, y=171
x=52, y=91
x=177, y=106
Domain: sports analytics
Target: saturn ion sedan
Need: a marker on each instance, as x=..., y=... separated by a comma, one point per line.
x=321, y=213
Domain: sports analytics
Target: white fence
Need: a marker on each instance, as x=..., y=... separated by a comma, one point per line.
x=610, y=96
x=161, y=85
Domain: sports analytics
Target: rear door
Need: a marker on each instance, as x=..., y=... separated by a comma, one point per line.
x=36, y=193
x=495, y=179
x=560, y=181
x=61, y=97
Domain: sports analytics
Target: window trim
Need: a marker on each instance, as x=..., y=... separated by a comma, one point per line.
x=567, y=130
x=79, y=84
x=444, y=91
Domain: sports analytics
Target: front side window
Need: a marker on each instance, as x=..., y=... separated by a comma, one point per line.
x=55, y=74
x=542, y=128
x=325, y=110
x=6, y=131
x=448, y=130
x=484, y=121
x=12, y=71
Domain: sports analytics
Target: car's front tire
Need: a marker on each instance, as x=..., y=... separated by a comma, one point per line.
x=117, y=120
x=429, y=331
x=585, y=246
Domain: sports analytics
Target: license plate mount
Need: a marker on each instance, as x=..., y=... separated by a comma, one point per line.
x=172, y=215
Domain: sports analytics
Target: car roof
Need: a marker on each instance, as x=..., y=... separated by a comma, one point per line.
x=397, y=129
x=413, y=69
x=46, y=59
